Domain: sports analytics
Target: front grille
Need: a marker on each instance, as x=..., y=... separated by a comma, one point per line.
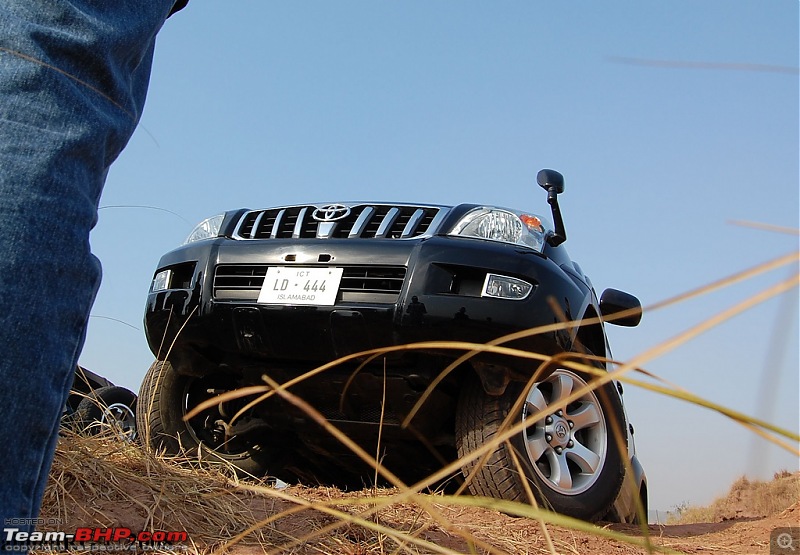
x=373, y=279
x=363, y=221
x=359, y=283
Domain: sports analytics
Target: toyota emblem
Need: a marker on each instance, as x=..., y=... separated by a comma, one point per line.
x=330, y=213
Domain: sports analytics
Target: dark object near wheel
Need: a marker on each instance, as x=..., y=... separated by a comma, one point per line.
x=569, y=456
x=163, y=398
x=111, y=407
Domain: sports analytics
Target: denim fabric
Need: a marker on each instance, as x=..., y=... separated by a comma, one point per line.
x=73, y=80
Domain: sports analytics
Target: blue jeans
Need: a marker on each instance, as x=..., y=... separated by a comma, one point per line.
x=73, y=80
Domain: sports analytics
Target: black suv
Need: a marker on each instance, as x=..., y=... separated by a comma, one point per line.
x=282, y=291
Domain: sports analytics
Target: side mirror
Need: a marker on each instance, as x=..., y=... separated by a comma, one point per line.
x=550, y=180
x=620, y=308
x=553, y=182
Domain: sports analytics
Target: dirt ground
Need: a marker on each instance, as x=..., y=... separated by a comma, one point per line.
x=103, y=484
x=497, y=533
x=90, y=488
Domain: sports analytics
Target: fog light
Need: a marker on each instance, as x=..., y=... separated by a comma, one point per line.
x=504, y=287
x=161, y=281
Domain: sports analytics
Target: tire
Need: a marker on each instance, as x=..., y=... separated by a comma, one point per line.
x=166, y=396
x=107, y=407
x=571, y=459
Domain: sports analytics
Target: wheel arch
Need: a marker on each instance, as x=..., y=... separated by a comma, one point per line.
x=591, y=336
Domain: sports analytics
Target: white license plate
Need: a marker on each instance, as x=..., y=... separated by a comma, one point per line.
x=300, y=286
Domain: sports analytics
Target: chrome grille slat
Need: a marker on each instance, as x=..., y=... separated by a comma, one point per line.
x=256, y=224
x=364, y=221
x=361, y=222
x=276, y=225
x=298, y=224
x=286, y=229
x=413, y=222
x=436, y=220
x=387, y=222
x=374, y=223
x=245, y=226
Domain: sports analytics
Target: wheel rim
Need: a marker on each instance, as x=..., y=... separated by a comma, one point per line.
x=566, y=447
x=121, y=418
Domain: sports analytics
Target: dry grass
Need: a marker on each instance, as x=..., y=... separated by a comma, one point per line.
x=101, y=481
x=106, y=482
x=746, y=499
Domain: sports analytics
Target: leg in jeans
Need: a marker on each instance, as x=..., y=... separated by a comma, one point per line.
x=73, y=79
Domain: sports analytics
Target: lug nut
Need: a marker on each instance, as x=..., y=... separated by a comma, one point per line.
x=558, y=450
x=560, y=413
x=548, y=420
x=548, y=438
x=571, y=423
x=570, y=444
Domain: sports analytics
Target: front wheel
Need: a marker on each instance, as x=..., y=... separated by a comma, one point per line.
x=166, y=397
x=569, y=456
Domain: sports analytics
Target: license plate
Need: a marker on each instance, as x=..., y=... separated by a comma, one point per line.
x=300, y=286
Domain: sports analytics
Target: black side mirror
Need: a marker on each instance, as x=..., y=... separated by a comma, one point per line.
x=553, y=182
x=620, y=308
x=550, y=181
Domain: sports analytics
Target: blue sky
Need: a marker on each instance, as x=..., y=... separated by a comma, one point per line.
x=668, y=120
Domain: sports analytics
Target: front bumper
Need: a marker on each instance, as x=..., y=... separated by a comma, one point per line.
x=419, y=290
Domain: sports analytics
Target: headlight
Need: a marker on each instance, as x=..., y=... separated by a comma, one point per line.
x=500, y=224
x=161, y=281
x=207, y=229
